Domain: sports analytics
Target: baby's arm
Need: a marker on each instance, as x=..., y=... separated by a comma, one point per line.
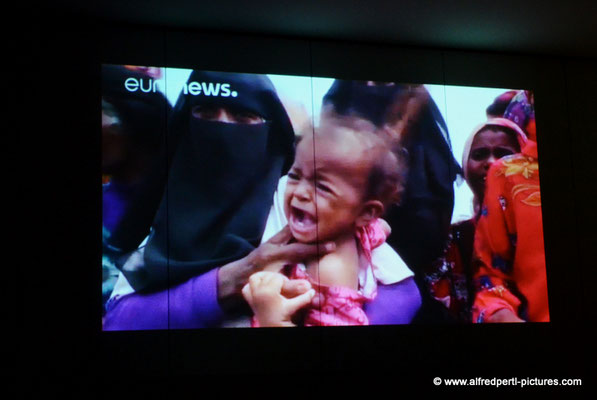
x=340, y=268
x=265, y=293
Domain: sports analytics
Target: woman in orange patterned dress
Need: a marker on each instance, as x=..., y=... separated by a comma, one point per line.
x=452, y=283
x=511, y=282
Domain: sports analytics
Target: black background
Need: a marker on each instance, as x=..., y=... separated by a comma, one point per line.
x=57, y=274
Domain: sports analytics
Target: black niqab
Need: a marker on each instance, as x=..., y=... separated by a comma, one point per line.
x=222, y=178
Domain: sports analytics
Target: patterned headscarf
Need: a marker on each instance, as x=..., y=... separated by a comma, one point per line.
x=521, y=111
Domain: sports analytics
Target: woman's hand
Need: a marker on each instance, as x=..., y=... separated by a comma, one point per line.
x=271, y=305
x=504, y=315
x=277, y=252
x=269, y=256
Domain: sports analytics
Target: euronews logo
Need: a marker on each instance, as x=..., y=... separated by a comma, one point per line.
x=192, y=88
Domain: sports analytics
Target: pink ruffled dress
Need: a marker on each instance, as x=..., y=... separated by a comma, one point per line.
x=338, y=305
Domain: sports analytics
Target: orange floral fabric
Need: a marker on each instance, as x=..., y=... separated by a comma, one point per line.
x=510, y=256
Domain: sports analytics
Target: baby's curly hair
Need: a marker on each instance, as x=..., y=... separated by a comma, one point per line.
x=382, y=148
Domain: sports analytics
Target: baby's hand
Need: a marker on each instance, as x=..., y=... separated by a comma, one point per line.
x=265, y=293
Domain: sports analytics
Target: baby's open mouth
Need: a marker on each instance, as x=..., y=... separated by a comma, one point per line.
x=301, y=221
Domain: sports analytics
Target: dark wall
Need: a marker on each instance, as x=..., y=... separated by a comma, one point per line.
x=59, y=275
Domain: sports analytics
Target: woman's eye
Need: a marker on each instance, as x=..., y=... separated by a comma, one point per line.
x=202, y=112
x=479, y=154
x=248, y=118
x=499, y=153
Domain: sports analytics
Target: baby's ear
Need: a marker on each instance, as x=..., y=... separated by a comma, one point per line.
x=371, y=209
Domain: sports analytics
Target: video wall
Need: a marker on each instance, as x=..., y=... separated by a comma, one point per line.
x=260, y=200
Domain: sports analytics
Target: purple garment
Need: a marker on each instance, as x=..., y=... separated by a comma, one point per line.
x=394, y=304
x=194, y=304
x=116, y=198
x=190, y=305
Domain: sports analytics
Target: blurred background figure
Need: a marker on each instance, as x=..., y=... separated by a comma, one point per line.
x=499, y=105
x=133, y=164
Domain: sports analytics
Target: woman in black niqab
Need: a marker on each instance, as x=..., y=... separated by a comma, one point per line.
x=222, y=177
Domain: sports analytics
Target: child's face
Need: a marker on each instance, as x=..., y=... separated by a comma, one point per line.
x=488, y=146
x=324, y=194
